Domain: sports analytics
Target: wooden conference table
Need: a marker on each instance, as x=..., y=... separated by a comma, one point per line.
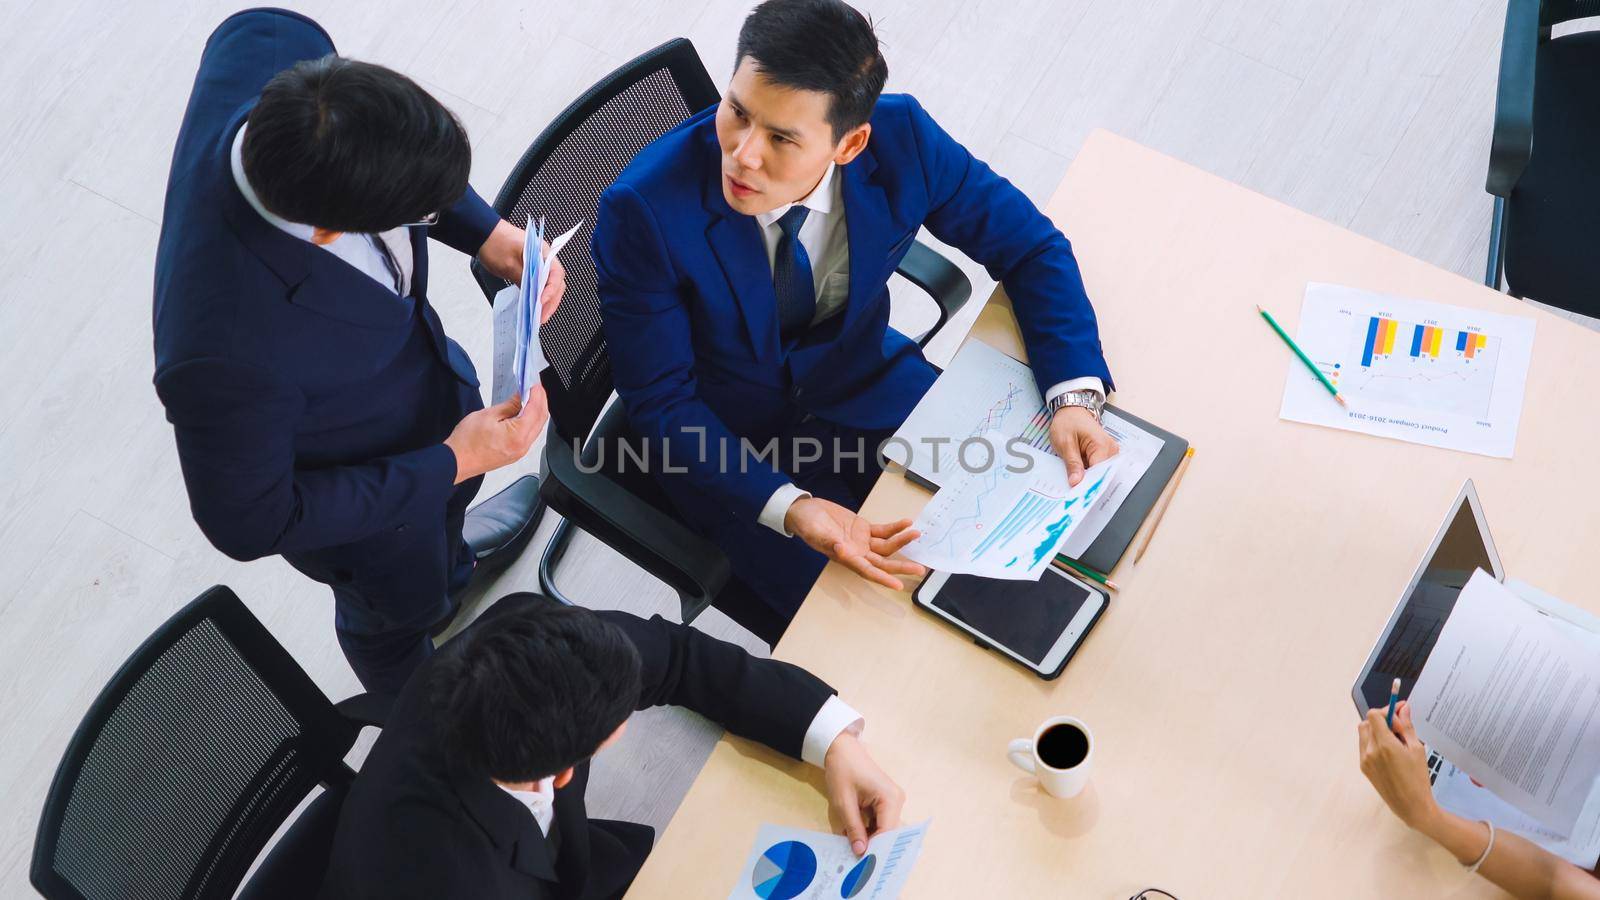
x=1218, y=682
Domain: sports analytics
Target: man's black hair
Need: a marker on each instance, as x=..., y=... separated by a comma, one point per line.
x=532, y=692
x=818, y=45
x=352, y=146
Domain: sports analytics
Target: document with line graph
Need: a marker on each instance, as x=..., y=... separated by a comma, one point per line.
x=1009, y=518
x=1423, y=372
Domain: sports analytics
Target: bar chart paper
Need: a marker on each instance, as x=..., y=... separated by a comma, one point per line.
x=1423, y=372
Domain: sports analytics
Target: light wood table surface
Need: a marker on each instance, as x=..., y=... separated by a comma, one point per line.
x=1218, y=682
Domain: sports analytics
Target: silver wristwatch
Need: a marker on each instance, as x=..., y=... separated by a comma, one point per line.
x=1090, y=400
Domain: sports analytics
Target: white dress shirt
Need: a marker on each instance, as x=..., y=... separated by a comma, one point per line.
x=355, y=249
x=833, y=719
x=824, y=235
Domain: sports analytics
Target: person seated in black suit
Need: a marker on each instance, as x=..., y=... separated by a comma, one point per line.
x=476, y=786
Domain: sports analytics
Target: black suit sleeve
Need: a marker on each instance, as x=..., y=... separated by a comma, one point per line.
x=764, y=700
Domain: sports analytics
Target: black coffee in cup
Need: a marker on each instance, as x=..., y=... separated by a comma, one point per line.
x=1062, y=746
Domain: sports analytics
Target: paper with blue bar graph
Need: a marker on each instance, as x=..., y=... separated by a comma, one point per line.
x=1007, y=519
x=1418, y=371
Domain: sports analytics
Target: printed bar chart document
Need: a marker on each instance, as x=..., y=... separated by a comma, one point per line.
x=793, y=864
x=1423, y=372
x=1513, y=701
x=1008, y=518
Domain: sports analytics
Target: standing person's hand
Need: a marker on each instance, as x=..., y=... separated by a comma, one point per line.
x=1080, y=441
x=865, y=799
x=1396, y=762
x=501, y=254
x=497, y=435
x=852, y=541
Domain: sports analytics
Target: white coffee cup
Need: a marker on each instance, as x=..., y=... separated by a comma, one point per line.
x=1067, y=748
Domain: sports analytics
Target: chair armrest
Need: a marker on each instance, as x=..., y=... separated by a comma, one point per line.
x=489, y=284
x=939, y=277
x=366, y=709
x=650, y=538
x=1512, y=143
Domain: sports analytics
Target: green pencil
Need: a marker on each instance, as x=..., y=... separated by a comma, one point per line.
x=1086, y=572
x=1302, y=354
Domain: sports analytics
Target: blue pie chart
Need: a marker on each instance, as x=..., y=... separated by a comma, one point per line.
x=784, y=871
x=855, y=881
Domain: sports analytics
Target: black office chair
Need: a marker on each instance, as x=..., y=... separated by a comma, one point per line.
x=193, y=755
x=561, y=177
x=1543, y=171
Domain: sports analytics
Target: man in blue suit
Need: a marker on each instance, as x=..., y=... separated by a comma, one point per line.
x=743, y=261
x=321, y=412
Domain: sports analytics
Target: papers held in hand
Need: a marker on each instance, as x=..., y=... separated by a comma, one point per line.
x=518, y=308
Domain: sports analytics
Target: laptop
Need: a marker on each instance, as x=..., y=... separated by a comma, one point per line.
x=1462, y=546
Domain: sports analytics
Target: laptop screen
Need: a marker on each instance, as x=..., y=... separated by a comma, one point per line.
x=1415, y=628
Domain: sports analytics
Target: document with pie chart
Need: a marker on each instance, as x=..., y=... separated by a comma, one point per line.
x=795, y=864
x=1418, y=371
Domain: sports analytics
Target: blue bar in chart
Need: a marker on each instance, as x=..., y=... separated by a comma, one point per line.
x=1024, y=516
x=1416, y=341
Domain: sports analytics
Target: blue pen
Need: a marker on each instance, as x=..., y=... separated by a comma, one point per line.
x=1394, y=697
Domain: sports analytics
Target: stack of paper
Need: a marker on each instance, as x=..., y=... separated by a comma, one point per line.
x=1009, y=517
x=1514, y=701
x=518, y=355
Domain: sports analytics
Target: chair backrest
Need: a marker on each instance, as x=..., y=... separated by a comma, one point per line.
x=200, y=746
x=1554, y=12
x=561, y=177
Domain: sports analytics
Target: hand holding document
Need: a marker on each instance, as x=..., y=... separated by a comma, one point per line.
x=789, y=863
x=1514, y=701
x=518, y=311
x=1007, y=519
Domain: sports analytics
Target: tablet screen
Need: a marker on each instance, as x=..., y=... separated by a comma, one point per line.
x=1422, y=613
x=1025, y=617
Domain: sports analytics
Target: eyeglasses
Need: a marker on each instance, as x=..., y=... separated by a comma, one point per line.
x=1153, y=894
x=429, y=219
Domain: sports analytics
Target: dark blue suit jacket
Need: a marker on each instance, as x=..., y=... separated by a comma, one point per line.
x=691, y=317
x=309, y=403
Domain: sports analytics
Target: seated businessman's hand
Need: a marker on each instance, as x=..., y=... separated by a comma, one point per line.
x=497, y=435
x=502, y=254
x=865, y=799
x=852, y=541
x=1079, y=441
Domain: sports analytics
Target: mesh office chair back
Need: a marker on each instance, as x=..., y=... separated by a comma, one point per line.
x=200, y=746
x=561, y=177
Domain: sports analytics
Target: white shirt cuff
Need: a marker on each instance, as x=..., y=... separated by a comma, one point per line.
x=777, y=508
x=1086, y=383
x=833, y=719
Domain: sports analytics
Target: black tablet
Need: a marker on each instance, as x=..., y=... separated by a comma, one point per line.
x=1038, y=624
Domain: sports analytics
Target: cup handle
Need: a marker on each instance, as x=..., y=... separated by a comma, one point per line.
x=1021, y=754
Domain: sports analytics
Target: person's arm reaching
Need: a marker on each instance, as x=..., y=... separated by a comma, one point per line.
x=774, y=703
x=989, y=219
x=1396, y=762
x=235, y=428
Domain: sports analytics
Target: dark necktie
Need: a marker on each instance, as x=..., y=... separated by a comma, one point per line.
x=791, y=277
x=389, y=263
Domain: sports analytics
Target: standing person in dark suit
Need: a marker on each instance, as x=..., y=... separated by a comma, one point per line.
x=321, y=412
x=476, y=786
x=743, y=262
